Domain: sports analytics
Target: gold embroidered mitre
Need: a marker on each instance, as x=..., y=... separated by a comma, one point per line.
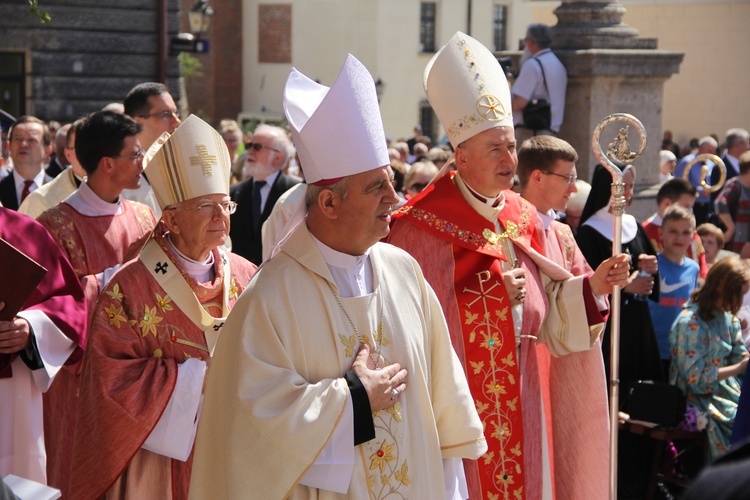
x=192, y=162
x=467, y=89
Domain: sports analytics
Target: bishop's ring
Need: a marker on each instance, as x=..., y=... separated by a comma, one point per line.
x=395, y=394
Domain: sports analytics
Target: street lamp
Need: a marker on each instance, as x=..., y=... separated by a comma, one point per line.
x=199, y=16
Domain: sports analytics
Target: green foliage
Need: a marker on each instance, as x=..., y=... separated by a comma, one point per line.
x=191, y=65
x=43, y=16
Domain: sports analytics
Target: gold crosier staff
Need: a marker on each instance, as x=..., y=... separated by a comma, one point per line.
x=617, y=156
x=707, y=188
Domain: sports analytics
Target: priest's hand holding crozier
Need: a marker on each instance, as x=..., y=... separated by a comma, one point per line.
x=515, y=284
x=614, y=271
x=384, y=385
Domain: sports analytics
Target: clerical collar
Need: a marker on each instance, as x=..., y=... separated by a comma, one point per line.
x=352, y=273
x=490, y=202
x=547, y=218
x=87, y=202
x=482, y=206
x=202, y=272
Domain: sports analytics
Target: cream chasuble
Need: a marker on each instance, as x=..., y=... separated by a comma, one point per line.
x=276, y=390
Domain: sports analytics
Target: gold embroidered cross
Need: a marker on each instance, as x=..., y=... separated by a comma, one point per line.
x=511, y=233
x=203, y=159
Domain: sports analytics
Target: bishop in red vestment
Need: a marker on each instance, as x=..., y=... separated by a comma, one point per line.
x=508, y=306
x=155, y=327
x=98, y=231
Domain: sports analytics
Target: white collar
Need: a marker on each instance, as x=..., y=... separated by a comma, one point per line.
x=341, y=260
x=604, y=222
x=352, y=273
x=38, y=179
x=269, y=180
x=202, y=272
x=734, y=161
x=547, y=218
x=87, y=202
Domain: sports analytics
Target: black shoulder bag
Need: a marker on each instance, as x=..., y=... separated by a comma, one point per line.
x=537, y=115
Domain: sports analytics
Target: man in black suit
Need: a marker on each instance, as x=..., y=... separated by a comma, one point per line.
x=59, y=161
x=268, y=151
x=738, y=141
x=30, y=144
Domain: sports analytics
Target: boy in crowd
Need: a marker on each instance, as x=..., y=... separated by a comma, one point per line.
x=678, y=275
x=680, y=191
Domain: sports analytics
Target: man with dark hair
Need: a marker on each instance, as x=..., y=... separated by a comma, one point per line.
x=98, y=231
x=30, y=145
x=542, y=76
x=152, y=106
x=680, y=191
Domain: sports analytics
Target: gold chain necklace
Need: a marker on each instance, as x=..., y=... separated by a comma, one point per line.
x=377, y=337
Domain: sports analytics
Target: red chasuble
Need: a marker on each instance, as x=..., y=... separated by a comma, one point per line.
x=138, y=338
x=58, y=295
x=92, y=244
x=487, y=346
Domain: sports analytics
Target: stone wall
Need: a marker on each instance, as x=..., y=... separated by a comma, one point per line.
x=90, y=54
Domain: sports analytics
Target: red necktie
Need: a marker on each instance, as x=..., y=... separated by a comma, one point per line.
x=26, y=189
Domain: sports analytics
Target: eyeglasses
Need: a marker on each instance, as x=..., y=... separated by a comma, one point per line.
x=572, y=178
x=134, y=157
x=418, y=187
x=209, y=209
x=162, y=115
x=257, y=147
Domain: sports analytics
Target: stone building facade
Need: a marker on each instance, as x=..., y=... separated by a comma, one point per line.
x=88, y=55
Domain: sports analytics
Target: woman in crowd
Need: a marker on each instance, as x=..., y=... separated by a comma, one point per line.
x=712, y=239
x=708, y=353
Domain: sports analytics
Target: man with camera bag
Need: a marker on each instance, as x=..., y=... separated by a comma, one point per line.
x=539, y=91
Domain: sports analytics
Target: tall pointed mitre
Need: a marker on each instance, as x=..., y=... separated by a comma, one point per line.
x=192, y=162
x=337, y=131
x=467, y=89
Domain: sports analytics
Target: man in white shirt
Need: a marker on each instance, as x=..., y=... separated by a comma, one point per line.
x=542, y=76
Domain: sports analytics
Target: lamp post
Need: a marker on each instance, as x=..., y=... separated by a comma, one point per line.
x=199, y=17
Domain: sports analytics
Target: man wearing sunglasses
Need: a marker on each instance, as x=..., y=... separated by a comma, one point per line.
x=268, y=151
x=152, y=106
x=98, y=231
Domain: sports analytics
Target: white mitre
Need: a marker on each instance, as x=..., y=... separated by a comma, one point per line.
x=468, y=89
x=338, y=131
x=192, y=162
